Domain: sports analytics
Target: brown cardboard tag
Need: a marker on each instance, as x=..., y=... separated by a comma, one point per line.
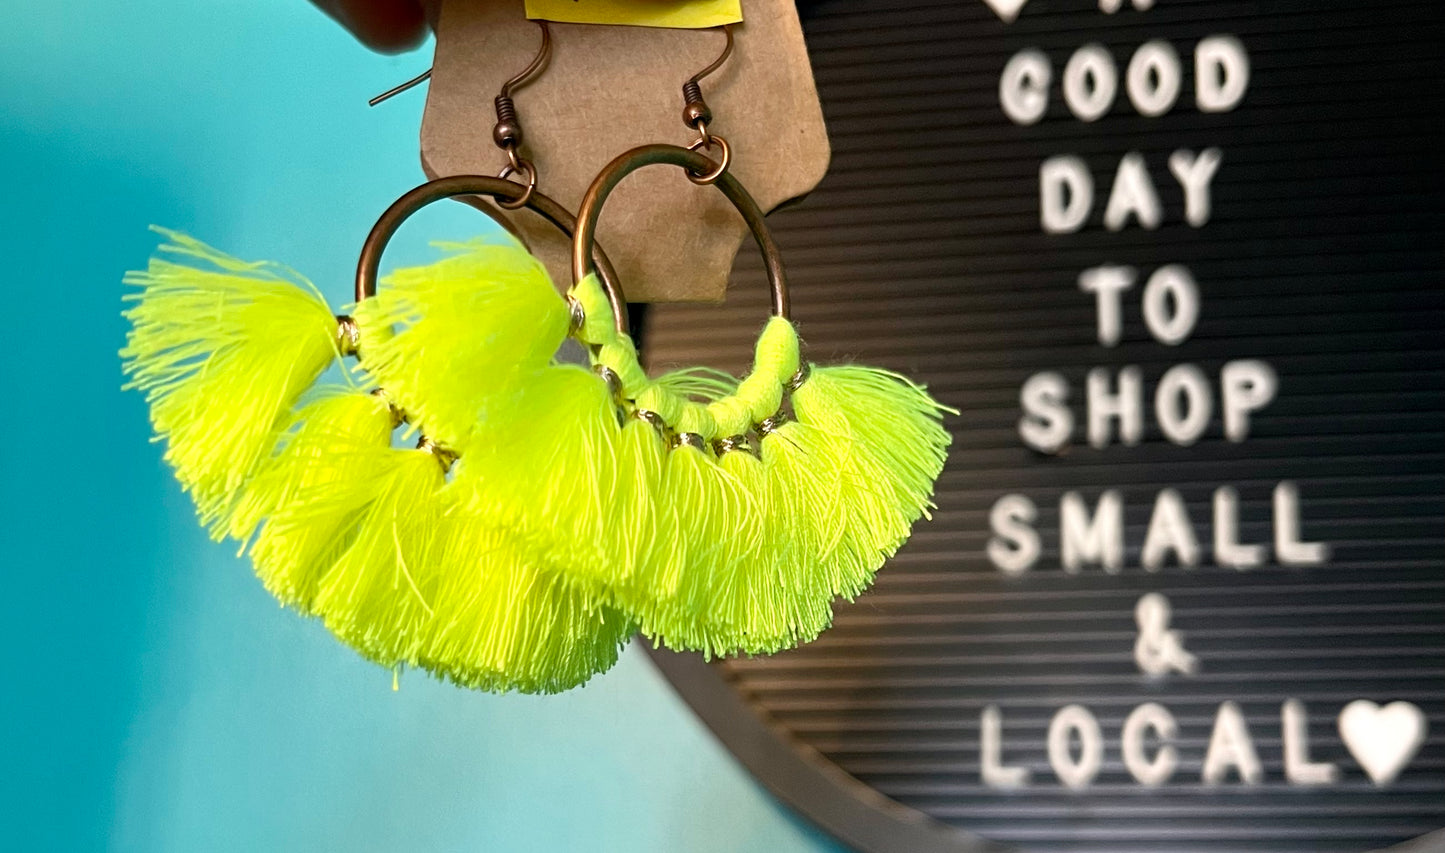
x=610, y=88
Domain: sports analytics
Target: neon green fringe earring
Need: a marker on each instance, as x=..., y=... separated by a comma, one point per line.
x=222, y=348
x=775, y=496
x=378, y=541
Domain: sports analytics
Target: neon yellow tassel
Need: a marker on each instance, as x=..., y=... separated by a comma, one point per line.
x=634, y=530
x=539, y=527
x=772, y=598
x=800, y=476
x=802, y=485
x=314, y=492
x=545, y=465
x=313, y=451
x=503, y=623
x=709, y=527
x=443, y=337
x=221, y=349
x=377, y=597
x=888, y=442
x=654, y=594
x=890, y=435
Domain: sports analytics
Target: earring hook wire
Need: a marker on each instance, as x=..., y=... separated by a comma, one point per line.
x=397, y=90
x=539, y=62
x=544, y=55
x=697, y=115
x=507, y=132
x=716, y=63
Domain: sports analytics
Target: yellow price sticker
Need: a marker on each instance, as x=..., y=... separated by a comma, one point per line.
x=673, y=14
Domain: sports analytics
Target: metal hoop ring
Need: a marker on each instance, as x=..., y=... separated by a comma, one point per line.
x=693, y=162
x=369, y=263
x=522, y=165
x=706, y=141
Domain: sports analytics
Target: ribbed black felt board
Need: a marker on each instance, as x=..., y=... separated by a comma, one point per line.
x=1320, y=256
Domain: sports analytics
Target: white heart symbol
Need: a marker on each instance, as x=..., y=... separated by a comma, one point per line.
x=1382, y=740
x=1006, y=9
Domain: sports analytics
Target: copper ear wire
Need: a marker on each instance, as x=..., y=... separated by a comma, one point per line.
x=507, y=132
x=539, y=62
x=397, y=90
x=697, y=115
x=542, y=56
x=695, y=112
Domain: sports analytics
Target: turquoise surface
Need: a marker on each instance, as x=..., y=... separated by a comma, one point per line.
x=155, y=698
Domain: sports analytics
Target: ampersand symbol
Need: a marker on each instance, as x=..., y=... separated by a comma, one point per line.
x=1159, y=649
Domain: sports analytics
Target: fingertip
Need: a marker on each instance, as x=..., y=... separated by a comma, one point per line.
x=386, y=26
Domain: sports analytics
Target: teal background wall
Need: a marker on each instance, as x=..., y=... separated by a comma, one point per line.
x=154, y=697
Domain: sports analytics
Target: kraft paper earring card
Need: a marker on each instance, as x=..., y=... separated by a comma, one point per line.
x=609, y=88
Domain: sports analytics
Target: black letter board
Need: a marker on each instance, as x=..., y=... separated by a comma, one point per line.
x=1178, y=264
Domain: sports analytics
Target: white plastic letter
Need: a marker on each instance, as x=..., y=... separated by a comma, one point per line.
x=1159, y=649
x=1104, y=407
x=1047, y=422
x=1169, y=530
x=1090, y=82
x=1298, y=769
x=1231, y=746
x=1150, y=715
x=1246, y=385
x=1288, y=549
x=1023, y=88
x=1014, y=546
x=1106, y=283
x=1171, y=304
x=1221, y=74
x=1183, y=403
x=1153, y=78
x=1227, y=550
x=995, y=774
x=1083, y=541
x=1133, y=193
x=1194, y=175
x=1066, y=194
x=1069, y=720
